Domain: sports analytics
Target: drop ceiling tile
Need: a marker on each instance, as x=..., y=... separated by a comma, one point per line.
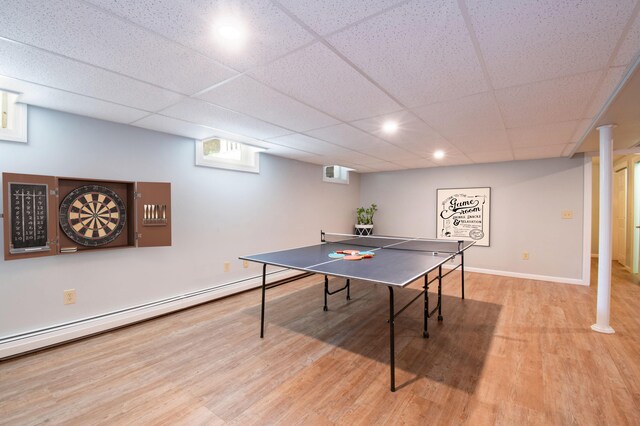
x=315, y=146
x=609, y=85
x=362, y=169
x=329, y=160
x=568, y=148
x=542, y=134
x=420, y=52
x=463, y=116
x=47, y=97
x=549, y=101
x=452, y=159
x=482, y=140
x=357, y=158
x=411, y=129
x=581, y=129
x=630, y=47
x=535, y=152
x=328, y=16
x=305, y=143
x=384, y=166
x=82, y=32
x=354, y=166
x=387, y=151
x=539, y=40
x=246, y=95
x=318, y=77
x=333, y=153
x=270, y=32
x=357, y=140
x=415, y=163
x=200, y=112
x=44, y=68
x=427, y=149
x=345, y=135
x=174, y=126
x=283, y=151
x=82, y=105
x=452, y=155
x=491, y=156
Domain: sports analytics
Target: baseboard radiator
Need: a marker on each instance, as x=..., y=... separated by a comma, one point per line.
x=41, y=338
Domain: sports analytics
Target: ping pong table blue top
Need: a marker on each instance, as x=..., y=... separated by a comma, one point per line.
x=397, y=262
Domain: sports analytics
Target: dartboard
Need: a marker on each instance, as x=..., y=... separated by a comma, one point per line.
x=92, y=215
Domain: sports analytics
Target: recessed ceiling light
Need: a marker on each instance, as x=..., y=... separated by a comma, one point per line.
x=390, y=127
x=438, y=155
x=230, y=30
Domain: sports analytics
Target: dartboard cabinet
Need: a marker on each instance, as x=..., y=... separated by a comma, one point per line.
x=49, y=215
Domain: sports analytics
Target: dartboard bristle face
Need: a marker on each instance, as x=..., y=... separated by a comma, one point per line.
x=92, y=215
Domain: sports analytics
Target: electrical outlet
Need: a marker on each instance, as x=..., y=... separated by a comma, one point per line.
x=69, y=296
x=567, y=214
x=227, y=266
x=525, y=255
x=245, y=263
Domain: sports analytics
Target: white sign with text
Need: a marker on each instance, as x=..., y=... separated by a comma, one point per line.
x=463, y=214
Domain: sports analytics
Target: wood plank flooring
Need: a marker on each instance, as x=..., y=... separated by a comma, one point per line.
x=513, y=352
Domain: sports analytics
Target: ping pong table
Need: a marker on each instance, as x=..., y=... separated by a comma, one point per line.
x=396, y=262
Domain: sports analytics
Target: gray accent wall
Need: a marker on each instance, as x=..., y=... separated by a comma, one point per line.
x=218, y=215
x=527, y=200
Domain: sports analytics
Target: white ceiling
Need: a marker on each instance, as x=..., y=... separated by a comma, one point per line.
x=483, y=80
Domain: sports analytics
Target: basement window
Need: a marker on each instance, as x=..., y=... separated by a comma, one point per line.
x=226, y=154
x=13, y=119
x=336, y=174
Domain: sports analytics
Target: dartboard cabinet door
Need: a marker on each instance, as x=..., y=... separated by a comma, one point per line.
x=29, y=215
x=153, y=214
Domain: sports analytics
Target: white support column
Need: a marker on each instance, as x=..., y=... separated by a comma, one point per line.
x=606, y=225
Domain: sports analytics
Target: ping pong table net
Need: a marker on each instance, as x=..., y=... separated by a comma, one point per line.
x=395, y=243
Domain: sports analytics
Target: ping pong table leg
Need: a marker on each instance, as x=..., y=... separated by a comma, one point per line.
x=425, y=333
x=264, y=289
x=392, y=359
x=462, y=271
x=348, y=289
x=326, y=292
x=440, y=293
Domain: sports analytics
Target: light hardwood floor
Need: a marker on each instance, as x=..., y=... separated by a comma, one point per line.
x=514, y=352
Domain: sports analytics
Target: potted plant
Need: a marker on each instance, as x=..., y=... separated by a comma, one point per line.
x=364, y=223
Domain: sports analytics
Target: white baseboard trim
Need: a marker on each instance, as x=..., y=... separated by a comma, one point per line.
x=38, y=339
x=562, y=280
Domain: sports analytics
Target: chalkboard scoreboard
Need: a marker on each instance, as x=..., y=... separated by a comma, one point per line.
x=28, y=208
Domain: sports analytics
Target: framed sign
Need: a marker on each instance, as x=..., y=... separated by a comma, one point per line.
x=463, y=214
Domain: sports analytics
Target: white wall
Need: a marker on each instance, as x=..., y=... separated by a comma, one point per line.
x=217, y=215
x=527, y=199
